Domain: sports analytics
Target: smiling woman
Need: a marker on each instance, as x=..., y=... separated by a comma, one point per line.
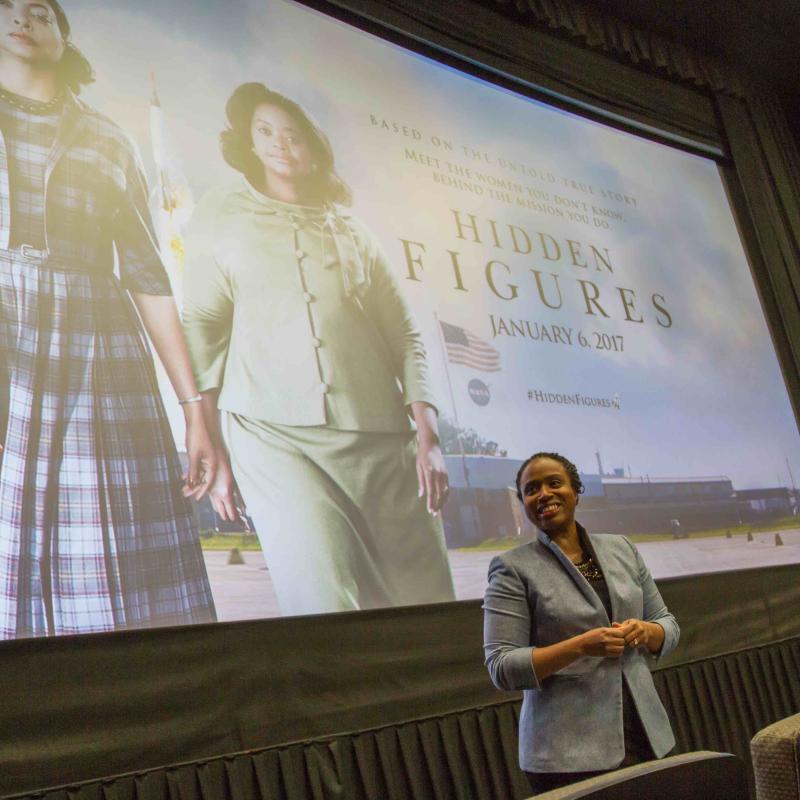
x=571, y=618
x=548, y=488
x=96, y=532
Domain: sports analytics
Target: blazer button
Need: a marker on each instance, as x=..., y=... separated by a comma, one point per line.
x=308, y=297
x=299, y=253
x=316, y=342
x=324, y=388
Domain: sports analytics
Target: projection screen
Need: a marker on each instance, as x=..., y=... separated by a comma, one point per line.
x=434, y=254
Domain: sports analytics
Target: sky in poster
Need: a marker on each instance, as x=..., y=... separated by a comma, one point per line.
x=701, y=397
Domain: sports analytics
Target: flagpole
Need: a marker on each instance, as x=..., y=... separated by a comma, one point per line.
x=175, y=203
x=465, y=469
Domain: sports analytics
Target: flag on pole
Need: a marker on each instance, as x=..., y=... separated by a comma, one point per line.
x=172, y=197
x=468, y=349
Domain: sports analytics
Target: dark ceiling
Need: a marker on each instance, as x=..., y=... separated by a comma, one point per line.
x=760, y=36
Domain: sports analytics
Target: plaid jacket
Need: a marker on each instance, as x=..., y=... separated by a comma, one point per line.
x=95, y=201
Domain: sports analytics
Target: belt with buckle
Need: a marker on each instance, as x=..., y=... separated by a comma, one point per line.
x=32, y=253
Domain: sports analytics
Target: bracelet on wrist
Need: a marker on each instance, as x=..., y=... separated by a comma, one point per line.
x=195, y=399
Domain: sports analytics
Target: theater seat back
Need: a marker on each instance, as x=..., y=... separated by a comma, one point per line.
x=702, y=775
x=776, y=760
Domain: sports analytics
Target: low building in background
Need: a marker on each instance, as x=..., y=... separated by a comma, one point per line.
x=769, y=502
x=483, y=504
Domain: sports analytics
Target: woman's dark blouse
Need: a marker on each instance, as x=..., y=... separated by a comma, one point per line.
x=636, y=740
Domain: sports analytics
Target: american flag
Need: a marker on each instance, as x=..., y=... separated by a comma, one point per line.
x=465, y=348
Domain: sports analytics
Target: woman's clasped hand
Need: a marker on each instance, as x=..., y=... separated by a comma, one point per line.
x=611, y=642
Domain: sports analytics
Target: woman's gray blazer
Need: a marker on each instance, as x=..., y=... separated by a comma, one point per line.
x=572, y=721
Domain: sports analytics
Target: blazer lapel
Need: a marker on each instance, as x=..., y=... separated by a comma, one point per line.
x=578, y=579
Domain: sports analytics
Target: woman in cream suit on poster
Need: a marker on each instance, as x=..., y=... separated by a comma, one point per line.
x=300, y=336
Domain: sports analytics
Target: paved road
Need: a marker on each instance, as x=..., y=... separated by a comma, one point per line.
x=716, y=554
x=245, y=591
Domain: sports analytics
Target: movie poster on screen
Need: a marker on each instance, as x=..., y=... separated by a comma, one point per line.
x=451, y=278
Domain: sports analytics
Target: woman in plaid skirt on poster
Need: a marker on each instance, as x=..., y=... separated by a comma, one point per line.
x=96, y=531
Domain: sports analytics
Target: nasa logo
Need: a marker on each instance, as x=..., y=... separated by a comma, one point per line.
x=479, y=392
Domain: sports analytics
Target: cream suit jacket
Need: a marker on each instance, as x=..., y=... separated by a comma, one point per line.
x=294, y=313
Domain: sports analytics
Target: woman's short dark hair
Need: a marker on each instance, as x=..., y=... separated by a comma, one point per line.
x=237, y=143
x=74, y=69
x=569, y=468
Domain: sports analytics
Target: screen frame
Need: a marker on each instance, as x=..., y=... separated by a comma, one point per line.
x=384, y=22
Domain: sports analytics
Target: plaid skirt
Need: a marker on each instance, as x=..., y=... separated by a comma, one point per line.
x=95, y=534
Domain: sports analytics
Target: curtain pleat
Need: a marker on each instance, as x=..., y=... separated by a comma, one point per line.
x=767, y=168
x=390, y=763
x=435, y=761
x=413, y=761
x=456, y=757
x=715, y=704
x=597, y=30
x=720, y=703
x=573, y=64
x=466, y=756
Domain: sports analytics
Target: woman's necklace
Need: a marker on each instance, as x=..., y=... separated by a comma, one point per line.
x=589, y=569
x=28, y=104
